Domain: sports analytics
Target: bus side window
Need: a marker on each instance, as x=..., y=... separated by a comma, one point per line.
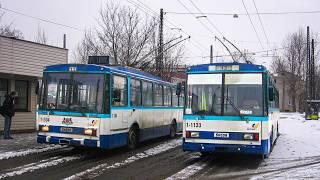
x=147, y=94
x=135, y=92
x=119, y=91
x=181, y=97
x=174, y=97
x=167, y=95
x=158, y=95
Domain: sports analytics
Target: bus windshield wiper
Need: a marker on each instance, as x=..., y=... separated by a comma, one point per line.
x=201, y=113
x=234, y=106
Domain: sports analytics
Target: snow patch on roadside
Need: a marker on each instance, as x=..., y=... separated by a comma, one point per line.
x=12, y=154
x=39, y=165
x=189, y=171
x=98, y=170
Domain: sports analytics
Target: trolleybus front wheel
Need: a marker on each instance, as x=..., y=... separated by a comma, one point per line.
x=173, y=129
x=133, y=137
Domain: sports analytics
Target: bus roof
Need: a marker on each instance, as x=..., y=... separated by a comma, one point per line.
x=93, y=68
x=226, y=67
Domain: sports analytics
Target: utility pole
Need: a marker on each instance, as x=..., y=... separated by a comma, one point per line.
x=211, y=54
x=159, y=59
x=313, y=93
x=307, y=97
x=64, y=41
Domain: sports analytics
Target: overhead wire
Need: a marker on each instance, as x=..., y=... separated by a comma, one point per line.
x=252, y=24
x=241, y=14
x=41, y=19
x=212, y=24
x=204, y=25
x=264, y=31
x=195, y=43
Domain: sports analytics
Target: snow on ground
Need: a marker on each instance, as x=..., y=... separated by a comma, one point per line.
x=22, y=145
x=24, y=152
x=189, y=171
x=54, y=161
x=20, y=141
x=296, y=154
x=98, y=170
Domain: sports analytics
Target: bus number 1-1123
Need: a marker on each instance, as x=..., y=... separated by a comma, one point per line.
x=193, y=124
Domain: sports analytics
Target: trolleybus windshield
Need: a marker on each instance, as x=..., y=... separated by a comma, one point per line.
x=242, y=94
x=73, y=92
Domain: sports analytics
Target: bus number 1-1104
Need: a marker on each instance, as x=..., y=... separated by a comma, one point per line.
x=193, y=124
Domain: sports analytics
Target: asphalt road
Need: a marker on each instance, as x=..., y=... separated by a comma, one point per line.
x=157, y=159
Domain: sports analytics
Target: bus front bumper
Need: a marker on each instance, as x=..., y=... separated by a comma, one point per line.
x=67, y=141
x=208, y=147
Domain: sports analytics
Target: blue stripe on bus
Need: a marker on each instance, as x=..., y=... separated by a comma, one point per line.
x=106, y=141
x=227, y=118
x=72, y=142
x=210, y=135
x=210, y=147
x=77, y=114
x=59, y=129
x=144, y=108
x=223, y=71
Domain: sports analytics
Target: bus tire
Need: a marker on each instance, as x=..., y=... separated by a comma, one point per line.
x=278, y=134
x=133, y=137
x=204, y=154
x=173, y=129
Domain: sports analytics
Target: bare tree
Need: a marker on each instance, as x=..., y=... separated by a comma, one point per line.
x=291, y=64
x=8, y=30
x=125, y=35
x=41, y=36
x=87, y=47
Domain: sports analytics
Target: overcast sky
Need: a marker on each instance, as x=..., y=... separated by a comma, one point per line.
x=82, y=14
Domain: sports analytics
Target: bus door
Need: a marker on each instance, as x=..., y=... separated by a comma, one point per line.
x=119, y=102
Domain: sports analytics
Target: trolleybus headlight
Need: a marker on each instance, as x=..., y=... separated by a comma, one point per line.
x=248, y=136
x=90, y=132
x=194, y=134
x=44, y=128
x=190, y=134
x=251, y=136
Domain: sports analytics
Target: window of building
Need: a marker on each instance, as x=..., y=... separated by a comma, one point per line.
x=119, y=91
x=21, y=101
x=158, y=95
x=147, y=91
x=3, y=89
x=135, y=92
x=167, y=95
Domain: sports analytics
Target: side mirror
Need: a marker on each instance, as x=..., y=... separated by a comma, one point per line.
x=271, y=94
x=179, y=88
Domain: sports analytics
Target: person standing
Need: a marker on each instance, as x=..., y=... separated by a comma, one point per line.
x=7, y=111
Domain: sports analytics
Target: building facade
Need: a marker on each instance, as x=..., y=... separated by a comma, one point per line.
x=286, y=103
x=21, y=65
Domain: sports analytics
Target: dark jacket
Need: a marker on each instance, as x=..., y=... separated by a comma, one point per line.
x=8, y=106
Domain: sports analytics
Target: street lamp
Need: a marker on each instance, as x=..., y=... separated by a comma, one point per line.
x=201, y=17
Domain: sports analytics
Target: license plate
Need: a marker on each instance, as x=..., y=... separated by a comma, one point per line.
x=221, y=135
x=66, y=130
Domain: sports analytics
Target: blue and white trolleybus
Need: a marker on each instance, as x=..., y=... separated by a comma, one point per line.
x=230, y=107
x=105, y=106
